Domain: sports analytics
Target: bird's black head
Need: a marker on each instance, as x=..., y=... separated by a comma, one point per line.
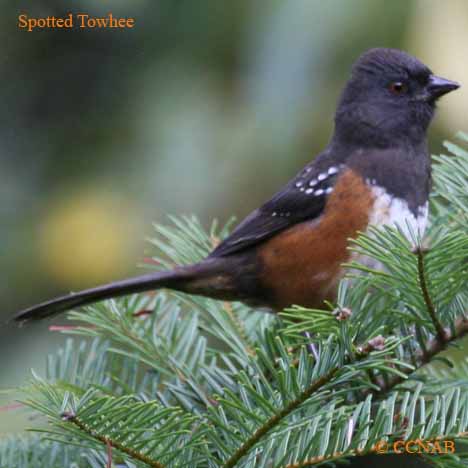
x=390, y=98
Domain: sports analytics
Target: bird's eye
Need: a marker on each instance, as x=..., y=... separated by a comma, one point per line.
x=398, y=87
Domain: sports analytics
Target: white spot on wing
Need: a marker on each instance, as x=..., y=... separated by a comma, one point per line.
x=309, y=191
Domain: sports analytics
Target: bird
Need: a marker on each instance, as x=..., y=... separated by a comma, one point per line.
x=375, y=171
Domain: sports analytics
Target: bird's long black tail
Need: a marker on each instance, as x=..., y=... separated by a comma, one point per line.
x=203, y=278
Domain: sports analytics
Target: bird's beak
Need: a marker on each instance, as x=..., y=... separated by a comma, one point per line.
x=438, y=86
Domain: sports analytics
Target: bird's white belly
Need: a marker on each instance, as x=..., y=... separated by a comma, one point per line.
x=392, y=211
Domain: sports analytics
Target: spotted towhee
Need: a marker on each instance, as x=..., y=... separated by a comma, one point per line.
x=374, y=171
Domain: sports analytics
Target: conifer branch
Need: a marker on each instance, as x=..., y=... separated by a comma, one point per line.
x=377, y=343
x=135, y=454
x=432, y=349
x=339, y=456
x=109, y=455
x=275, y=419
x=329, y=458
x=335, y=457
x=441, y=335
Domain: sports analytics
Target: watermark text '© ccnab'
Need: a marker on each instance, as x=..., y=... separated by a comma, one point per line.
x=416, y=446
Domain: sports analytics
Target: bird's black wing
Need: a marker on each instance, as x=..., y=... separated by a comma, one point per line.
x=303, y=198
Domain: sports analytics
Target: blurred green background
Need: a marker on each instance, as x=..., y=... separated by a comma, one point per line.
x=204, y=107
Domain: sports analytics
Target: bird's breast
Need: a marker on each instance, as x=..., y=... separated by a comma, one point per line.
x=395, y=211
x=389, y=210
x=303, y=264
